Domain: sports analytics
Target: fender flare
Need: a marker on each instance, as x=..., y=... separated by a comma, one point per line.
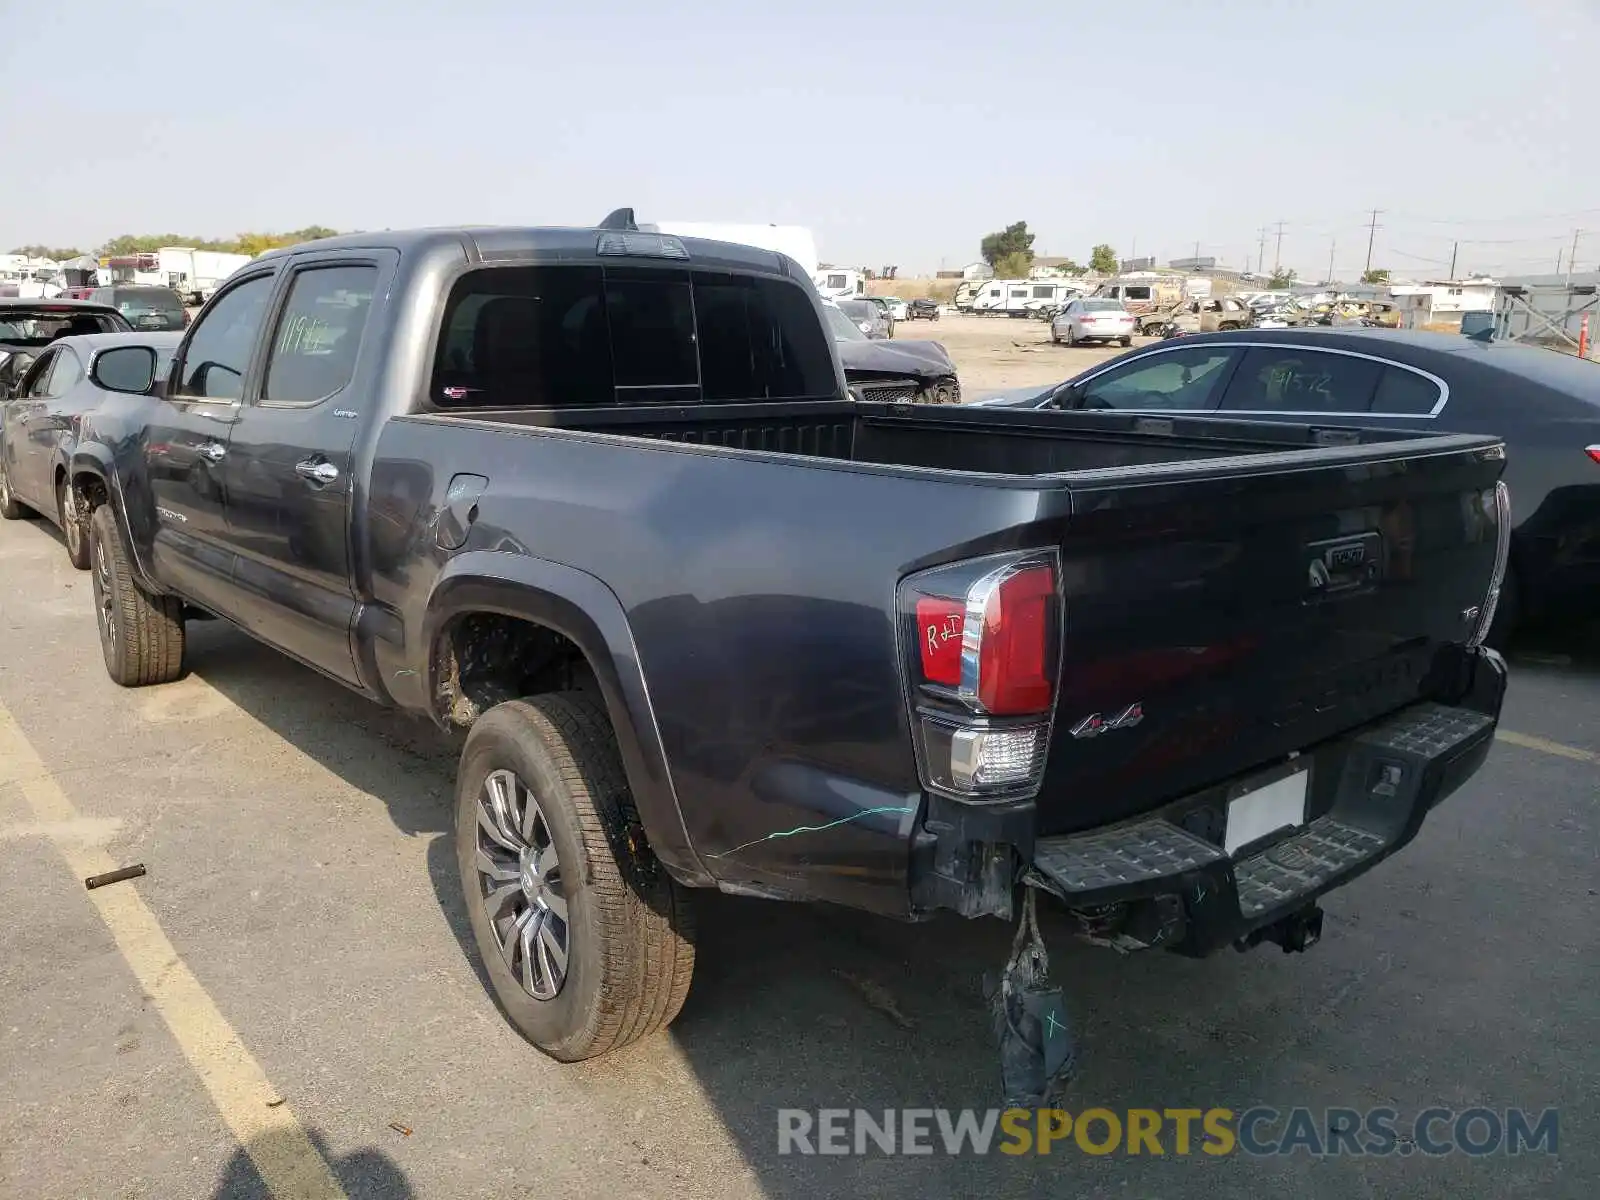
x=583, y=609
x=93, y=460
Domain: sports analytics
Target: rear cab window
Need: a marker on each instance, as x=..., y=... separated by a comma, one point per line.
x=590, y=336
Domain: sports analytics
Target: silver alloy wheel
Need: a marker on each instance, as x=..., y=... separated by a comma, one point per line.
x=522, y=888
x=104, y=599
x=71, y=521
x=5, y=486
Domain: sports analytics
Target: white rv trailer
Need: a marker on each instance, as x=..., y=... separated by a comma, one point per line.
x=840, y=283
x=1018, y=297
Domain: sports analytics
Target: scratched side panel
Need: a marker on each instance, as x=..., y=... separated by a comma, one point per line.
x=760, y=594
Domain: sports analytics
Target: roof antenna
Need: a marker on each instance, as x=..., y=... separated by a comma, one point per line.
x=621, y=218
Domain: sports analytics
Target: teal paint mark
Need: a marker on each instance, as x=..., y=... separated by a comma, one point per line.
x=865, y=812
x=1052, y=1025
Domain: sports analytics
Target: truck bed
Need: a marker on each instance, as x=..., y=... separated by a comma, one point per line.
x=758, y=589
x=991, y=441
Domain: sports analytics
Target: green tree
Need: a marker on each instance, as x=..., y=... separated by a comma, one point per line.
x=1013, y=239
x=1376, y=275
x=1015, y=265
x=47, y=252
x=242, y=243
x=1103, y=259
x=1281, y=278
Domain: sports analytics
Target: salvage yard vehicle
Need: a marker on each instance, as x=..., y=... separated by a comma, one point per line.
x=28, y=326
x=39, y=426
x=871, y=319
x=1084, y=321
x=599, y=499
x=922, y=309
x=1198, y=316
x=1546, y=406
x=906, y=372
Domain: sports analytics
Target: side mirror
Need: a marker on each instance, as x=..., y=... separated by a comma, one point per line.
x=128, y=369
x=1068, y=395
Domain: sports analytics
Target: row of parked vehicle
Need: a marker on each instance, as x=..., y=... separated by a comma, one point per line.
x=599, y=502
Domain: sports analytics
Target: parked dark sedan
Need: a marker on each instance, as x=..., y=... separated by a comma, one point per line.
x=145, y=307
x=922, y=310
x=39, y=428
x=1546, y=405
x=28, y=326
x=871, y=319
x=917, y=372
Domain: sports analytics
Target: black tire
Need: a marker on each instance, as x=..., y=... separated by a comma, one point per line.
x=141, y=636
x=628, y=928
x=72, y=526
x=1127, y=341
x=1072, y=336
x=10, y=507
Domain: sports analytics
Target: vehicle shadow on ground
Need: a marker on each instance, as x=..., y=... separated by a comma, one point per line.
x=367, y=1174
x=810, y=1007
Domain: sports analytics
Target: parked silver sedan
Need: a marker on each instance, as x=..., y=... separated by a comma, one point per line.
x=1092, y=320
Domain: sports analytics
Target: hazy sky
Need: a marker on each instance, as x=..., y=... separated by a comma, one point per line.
x=900, y=132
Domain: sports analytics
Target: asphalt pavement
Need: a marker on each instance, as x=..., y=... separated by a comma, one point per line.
x=288, y=996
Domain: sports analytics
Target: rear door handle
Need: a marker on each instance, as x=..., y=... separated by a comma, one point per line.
x=320, y=473
x=213, y=451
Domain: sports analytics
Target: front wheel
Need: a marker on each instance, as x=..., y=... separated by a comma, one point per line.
x=10, y=509
x=587, y=942
x=70, y=511
x=141, y=636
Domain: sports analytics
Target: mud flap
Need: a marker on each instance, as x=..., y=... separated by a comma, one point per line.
x=1037, y=1050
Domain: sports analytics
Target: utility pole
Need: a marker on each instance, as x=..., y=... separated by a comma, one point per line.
x=1333, y=244
x=1277, y=254
x=1454, y=246
x=1261, y=250
x=1372, y=232
x=1573, y=257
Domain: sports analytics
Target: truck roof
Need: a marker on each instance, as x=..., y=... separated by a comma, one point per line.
x=500, y=243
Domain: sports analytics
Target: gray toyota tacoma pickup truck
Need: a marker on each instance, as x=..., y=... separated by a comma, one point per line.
x=600, y=500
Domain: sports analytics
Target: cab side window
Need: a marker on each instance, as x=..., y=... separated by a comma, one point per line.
x=1175, y=379
x=221, y=342
x=314, y=347
x=66, y=372
x=1291, y=379
x=37, y=376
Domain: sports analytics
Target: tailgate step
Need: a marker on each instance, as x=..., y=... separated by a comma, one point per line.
x=1128, y=854
x=1427, y=730
x=1323, y=849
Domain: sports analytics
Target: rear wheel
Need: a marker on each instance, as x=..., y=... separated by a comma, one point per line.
x=141, y=636
x=1072, y=336
x=586, y=940
x=71, y=513
x=1127, y=341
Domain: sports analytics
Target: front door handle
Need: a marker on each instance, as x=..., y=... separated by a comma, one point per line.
x=321, y=473
x=212, y=451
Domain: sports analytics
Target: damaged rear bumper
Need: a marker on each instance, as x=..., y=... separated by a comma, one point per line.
x=1165, y=879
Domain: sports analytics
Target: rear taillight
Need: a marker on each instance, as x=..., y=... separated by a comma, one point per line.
x=1593, y=452
x=982, y=641
x=1500, y=502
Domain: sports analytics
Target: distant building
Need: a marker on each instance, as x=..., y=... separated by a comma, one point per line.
x=1442, y=301
x=1193, y=264
x=976, y=272
x=1046, y=267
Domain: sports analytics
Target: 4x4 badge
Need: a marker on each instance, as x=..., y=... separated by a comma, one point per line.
x=1094, y=724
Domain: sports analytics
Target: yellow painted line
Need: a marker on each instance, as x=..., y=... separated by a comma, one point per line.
x=288, y=1162
x=1528, y=742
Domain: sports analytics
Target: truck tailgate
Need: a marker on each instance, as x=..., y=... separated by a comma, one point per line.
x=1235, y=611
